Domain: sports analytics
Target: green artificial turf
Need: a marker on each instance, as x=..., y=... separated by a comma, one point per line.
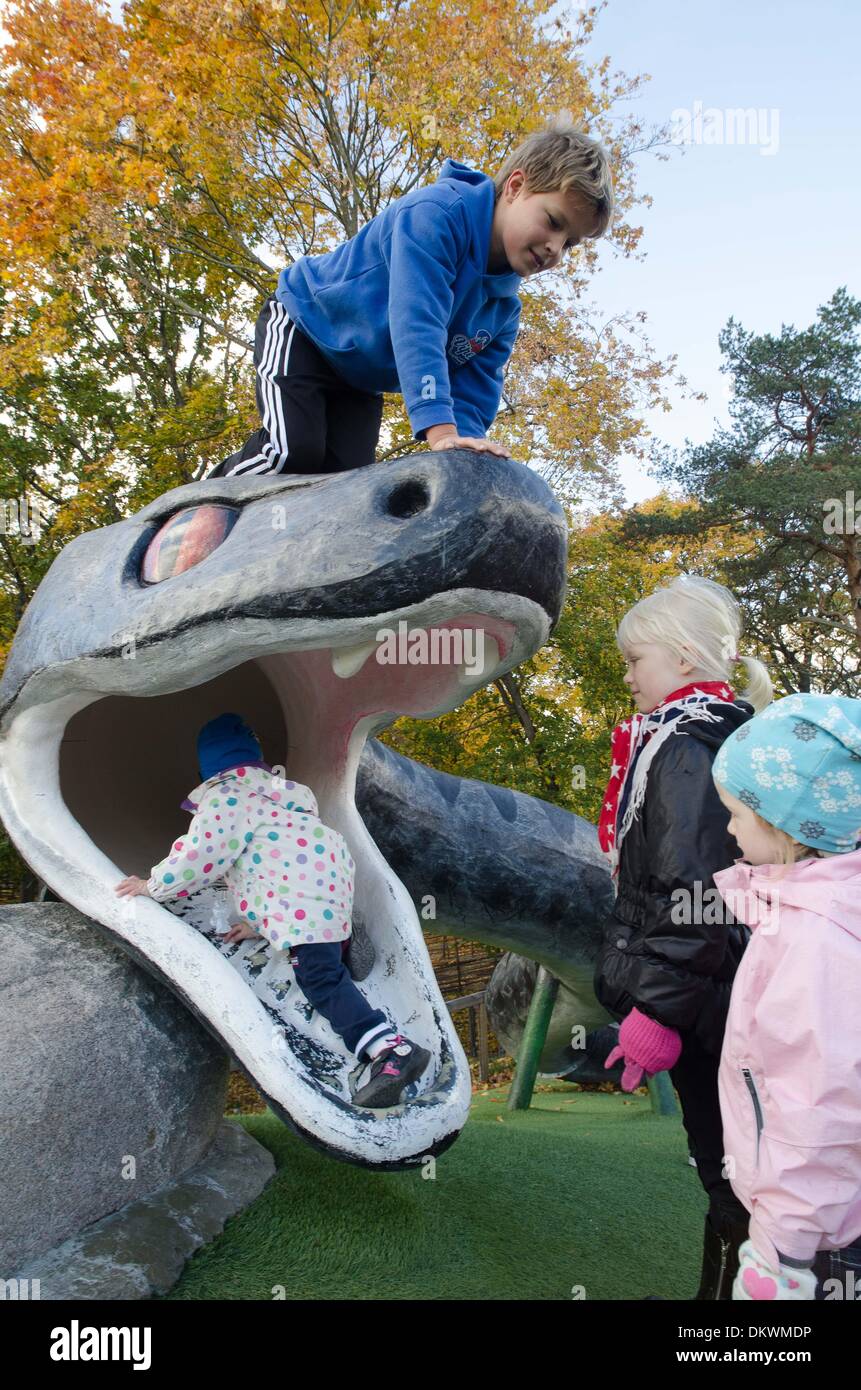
x=584, y=1191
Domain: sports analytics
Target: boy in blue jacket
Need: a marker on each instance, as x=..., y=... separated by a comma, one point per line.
x=423, y=299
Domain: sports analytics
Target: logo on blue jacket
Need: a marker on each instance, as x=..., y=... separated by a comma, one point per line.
x=462, y=348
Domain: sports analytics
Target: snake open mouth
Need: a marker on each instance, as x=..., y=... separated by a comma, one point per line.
x=136, y=640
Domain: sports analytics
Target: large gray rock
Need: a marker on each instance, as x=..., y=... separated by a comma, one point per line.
x=140, y=1251
x=109, y=1089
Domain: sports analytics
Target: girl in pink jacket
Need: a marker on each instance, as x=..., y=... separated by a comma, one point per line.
x=790, y=1069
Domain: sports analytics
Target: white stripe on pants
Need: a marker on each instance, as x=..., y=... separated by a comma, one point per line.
x=273, y=456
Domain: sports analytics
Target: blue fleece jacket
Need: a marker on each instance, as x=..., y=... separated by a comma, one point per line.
x=407, y=304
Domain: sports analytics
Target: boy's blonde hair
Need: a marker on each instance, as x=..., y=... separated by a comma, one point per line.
x=699, y=621
x=562, y=157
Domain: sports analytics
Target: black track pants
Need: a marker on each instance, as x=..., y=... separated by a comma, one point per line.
x=312, y=420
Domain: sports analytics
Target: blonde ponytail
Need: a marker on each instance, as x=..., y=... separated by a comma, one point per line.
x=759, y=690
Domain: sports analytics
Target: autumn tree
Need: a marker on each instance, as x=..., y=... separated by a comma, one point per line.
x=789, y=470
x=159, y=169
x=555, y=741
x=154, y=184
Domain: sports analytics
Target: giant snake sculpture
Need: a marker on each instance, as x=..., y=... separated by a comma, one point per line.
x=266, y=595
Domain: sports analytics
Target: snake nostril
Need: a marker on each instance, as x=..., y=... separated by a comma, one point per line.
x=408, y=499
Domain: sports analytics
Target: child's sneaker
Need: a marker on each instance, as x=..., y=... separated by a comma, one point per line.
x=392, y=1070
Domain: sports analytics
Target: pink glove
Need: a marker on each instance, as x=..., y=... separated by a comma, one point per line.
x=646, y=1046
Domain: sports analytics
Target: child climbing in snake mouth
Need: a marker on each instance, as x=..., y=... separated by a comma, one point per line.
x=292, y=878
x=790, y=1069
x=666, y=965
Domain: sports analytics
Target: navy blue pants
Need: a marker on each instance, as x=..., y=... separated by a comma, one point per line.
x=325, y=982
x=839, y=1273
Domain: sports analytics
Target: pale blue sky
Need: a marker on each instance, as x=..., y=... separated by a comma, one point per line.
x=764, y=237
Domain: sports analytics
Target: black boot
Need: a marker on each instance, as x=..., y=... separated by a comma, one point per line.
x=721, y=1241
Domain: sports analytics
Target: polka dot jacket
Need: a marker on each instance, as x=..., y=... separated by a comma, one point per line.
x=291, y=876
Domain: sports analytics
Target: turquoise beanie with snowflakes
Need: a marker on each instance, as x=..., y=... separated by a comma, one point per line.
x=798, y=765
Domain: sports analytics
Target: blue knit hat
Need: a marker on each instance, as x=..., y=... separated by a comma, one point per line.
x=226, y=742
x=798, y=765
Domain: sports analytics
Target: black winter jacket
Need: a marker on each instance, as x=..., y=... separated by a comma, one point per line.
x=678, y=973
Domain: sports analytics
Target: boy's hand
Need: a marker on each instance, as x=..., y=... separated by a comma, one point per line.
x=239, y=931
x=465, y=441
x=131, y=887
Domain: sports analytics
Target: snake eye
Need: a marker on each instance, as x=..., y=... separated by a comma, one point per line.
x=186, y=539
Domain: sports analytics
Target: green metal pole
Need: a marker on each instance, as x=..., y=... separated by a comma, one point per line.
x=662, y=1094
x=534, y=1037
